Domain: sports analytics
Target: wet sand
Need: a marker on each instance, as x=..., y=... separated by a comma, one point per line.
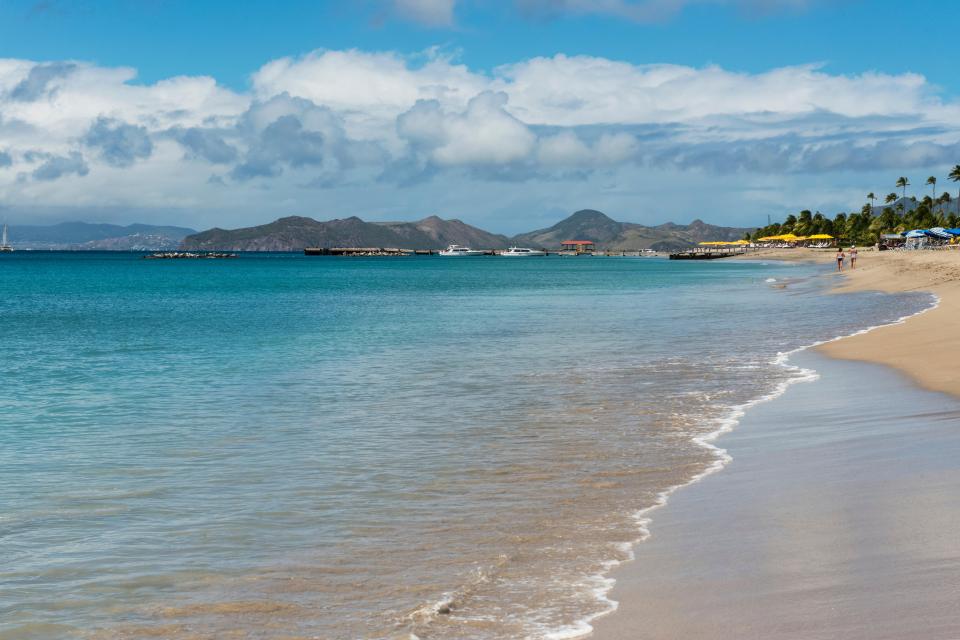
x=837, y=518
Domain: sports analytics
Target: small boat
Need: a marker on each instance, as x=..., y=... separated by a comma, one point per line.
x=458, y=251
x=523, y=252
x=4, y=245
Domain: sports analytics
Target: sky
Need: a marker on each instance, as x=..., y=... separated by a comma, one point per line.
x=506, y=114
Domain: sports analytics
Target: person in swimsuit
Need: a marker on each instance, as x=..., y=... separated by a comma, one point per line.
x=840, y=258
x=853, y=257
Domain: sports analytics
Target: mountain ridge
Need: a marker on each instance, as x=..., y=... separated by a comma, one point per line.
x=98, y=236
x=607, y=233
x=295, y=233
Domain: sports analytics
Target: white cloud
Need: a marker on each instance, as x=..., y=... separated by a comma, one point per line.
x=483, y=134
x=72, y=132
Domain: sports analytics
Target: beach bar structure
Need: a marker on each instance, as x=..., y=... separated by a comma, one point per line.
x=578, y=246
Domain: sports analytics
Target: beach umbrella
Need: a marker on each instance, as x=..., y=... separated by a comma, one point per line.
x=953, y=232
x=789, y=237
x=739, y=242
x=820, y=236
x=939, y=232
x=916, y=233
x=768, y=238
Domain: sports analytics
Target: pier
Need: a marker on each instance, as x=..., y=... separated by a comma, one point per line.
x=189, y=255
x=364, y=251
x=707, y=254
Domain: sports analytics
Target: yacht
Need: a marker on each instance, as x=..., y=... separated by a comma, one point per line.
x=457, y=250
x=523, y=252
x=4, y=245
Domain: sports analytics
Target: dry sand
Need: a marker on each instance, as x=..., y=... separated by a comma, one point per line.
x=838, y=516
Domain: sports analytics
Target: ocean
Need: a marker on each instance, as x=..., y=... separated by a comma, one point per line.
x=277, y=446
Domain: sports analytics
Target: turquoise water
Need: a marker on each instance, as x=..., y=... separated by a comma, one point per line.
x=281, y=446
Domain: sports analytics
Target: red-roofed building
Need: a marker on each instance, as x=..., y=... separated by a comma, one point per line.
x=578, y=246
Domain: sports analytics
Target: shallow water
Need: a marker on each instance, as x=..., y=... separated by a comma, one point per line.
x=836, y=518
x=279, y=446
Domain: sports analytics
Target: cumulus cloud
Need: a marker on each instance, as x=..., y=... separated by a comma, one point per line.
x=283, y=141
x=120, y=144
x=483, y=134
x=342, y=120
x=39, y=81
x=55, y=167
x=205, y=144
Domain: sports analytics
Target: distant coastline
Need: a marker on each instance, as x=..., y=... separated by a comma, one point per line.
x=296, y=233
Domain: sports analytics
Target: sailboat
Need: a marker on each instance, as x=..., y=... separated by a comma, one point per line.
x=4, y=245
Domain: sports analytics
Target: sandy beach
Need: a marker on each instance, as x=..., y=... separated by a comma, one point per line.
x=926, y=347
x=837, y=516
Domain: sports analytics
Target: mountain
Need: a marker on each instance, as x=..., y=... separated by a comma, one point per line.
x=84, y=235
x=295, y=233
x=442, y=233
x=607, y=233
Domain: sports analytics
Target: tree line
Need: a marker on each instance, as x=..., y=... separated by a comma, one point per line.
x=897, y=214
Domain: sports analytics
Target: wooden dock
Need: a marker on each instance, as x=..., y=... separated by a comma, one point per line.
x=707, y=254
x=364, y=251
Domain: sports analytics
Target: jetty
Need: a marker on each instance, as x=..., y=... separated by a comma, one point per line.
x=365, y=251
x=707, y=254
x=189, y=255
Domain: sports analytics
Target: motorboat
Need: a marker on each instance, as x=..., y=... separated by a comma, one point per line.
x=523, y=252
x=455, y=250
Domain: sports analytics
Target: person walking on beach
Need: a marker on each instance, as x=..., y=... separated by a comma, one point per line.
x=840, y=258
x=853, y=257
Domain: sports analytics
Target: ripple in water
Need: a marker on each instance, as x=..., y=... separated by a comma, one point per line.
x=287, y=447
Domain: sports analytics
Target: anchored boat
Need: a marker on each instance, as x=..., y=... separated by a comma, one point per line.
x=456, y=250
x=522, y=252
x=4, y=245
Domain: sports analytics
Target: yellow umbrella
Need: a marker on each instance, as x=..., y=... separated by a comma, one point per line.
x=714, y=243
x=789, y=237
x=820, y=236
x=739, y=242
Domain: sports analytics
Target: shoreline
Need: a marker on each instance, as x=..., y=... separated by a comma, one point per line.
x=833, y=520
x=889, y=345
x=921, y=348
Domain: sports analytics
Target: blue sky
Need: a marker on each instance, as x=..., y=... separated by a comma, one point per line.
x=506, y=114
x=162, y=38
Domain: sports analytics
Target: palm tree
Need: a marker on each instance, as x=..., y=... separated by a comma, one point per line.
x=872, y=198
x=891, y=197
x=932, y=181
x=955, y=176
x=903, y=183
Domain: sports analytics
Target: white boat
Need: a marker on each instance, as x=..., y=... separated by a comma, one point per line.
x=4, y=245
x=458, y=251
x=523, y=252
